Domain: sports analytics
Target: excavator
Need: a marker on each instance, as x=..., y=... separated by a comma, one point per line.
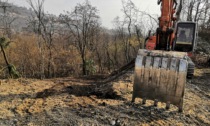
x=162, y=68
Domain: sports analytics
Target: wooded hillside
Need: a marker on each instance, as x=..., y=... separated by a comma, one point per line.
x=76, y=43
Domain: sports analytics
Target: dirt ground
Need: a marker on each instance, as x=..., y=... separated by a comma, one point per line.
x=77, y=102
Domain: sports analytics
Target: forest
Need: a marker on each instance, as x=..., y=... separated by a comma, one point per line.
x=75, y=43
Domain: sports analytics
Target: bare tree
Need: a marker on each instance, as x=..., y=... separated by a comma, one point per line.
x=4, y=42
x=130, y=28
x=194, y=10
x=205, y=15
x=44, y=25
x=130, y=18
x=190, y=11
x=6, y=20
x=48, y=33
x=37, y=18
x=81, y=22
x=179, y=10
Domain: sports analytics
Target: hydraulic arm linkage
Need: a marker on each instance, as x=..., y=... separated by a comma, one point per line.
x=165, y=33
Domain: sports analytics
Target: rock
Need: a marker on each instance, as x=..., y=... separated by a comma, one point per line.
x=188, y=115
x=113, y=122
x=93, y=112
x=117, y=122
x=72, y=96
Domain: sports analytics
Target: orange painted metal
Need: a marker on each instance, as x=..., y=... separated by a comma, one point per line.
x=167, y=12
x=151, y=43
x=166, y=21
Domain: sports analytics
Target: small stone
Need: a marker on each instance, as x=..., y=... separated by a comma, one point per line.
x=93, y=112
x=117, y=122
x=15, y=121
x=188, y=115
x=113, y=122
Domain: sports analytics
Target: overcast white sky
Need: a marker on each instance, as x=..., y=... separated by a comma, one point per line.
x=108, y=9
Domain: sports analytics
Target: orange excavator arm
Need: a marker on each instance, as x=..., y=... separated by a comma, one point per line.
x=165, y=32
x=168, y=9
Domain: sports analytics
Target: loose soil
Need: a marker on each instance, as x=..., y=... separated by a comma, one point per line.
x=84, y=101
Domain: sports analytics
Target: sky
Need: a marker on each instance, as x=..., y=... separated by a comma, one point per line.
x=108, y=9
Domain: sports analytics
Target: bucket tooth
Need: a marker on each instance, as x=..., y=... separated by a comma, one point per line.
x=144, y=101
x=168, y=105
x=155, y=102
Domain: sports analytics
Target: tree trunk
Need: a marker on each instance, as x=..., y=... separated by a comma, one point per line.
x=197, y=11
x=205, y=14
x=99, y=61
x=49, y=74
x=6, y=61
x=115, y=54
x=129, y=39
x=179, y=10
x=190, y=11
x=138, y=37
x=84, y=69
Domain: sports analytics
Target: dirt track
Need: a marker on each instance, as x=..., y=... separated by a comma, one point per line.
x=73, y=101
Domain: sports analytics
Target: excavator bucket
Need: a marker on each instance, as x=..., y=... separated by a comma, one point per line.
x=160, y=76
